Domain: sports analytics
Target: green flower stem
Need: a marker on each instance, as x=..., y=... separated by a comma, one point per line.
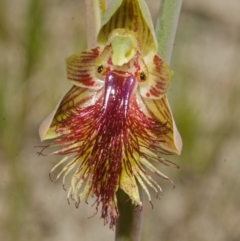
x=94, y=11
x=129, y=223
x=166, y=27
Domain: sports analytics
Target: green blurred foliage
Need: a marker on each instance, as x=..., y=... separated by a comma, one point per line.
x=35, y=38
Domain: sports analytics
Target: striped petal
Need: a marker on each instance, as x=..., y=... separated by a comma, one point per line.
x=131, y=15
x=159, y=76
x=76, y=96
x=160, y=109
x=81, y=69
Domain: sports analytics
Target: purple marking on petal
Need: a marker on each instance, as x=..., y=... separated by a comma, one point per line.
x=118, y=92
x=127, y=89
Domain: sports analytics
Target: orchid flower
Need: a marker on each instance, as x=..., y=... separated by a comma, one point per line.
x=115, y=120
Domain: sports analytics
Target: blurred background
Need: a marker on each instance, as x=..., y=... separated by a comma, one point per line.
x=35, y=38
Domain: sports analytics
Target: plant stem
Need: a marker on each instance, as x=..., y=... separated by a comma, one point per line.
x=94, y=11
x=166, y=27
x=129, y=223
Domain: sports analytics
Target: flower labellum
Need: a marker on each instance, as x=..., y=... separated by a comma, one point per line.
x=116, y=119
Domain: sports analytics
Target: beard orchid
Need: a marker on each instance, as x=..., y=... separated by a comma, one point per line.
x=115, y=120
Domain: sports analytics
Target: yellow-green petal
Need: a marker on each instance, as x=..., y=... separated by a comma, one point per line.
x=160, y=109
x=76, y=96
x=132, y=15
x=81, y=69
x=159, y=76
x=129, y=186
